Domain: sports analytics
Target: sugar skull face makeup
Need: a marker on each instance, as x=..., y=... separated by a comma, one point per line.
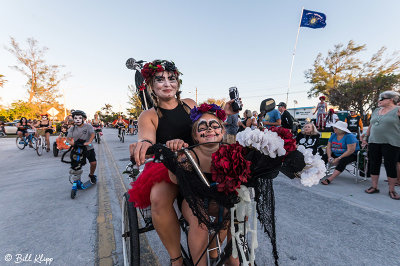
x=205, y=125
x=208, y=129
x=78, y=120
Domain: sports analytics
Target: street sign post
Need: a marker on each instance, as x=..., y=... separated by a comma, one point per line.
x=53, y=111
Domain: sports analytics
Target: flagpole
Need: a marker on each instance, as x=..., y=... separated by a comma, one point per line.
x=294, y=53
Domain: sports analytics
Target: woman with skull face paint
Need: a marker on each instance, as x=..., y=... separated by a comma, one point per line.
x=45, y=124
x=167, y=121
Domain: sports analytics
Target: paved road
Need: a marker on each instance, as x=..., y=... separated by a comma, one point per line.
x=337, y=224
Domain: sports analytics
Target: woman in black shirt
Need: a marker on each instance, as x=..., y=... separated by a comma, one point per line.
x=308, y=137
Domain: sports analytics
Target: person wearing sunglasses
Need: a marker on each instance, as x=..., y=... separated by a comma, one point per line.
x=383, y=138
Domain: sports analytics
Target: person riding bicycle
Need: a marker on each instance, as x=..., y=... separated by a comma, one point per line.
x=45, y=124
x=168, y=120
x=22, y=129
x=69, y=120
x=82, y=131
x=120, y=124
x=97, y=124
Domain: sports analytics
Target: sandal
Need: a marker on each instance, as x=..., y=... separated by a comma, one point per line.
x=175, y=259
x=325, y=182
x=372, y=190
x=394, y=195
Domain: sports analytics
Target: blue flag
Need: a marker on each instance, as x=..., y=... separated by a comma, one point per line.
x=312, y=19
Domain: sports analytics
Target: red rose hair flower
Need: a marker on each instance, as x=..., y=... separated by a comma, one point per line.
x=149, y=70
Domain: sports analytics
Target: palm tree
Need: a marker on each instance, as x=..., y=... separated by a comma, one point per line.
x=107, y=108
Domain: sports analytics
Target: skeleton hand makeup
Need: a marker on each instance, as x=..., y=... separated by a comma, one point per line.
x=78, y=120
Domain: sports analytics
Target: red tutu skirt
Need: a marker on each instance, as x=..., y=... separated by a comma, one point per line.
x=152, y=173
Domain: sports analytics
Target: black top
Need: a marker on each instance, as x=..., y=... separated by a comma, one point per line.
x=353, y=123
x=244, y=121
x=43, y=125
x=174, y=124
x=287, y=120
x=308, y=141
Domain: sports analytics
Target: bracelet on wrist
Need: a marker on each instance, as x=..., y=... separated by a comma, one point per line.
x=146, y=140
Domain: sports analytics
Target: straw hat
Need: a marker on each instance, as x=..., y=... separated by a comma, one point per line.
x=342, y=126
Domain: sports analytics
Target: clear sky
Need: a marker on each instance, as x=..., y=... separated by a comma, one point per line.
x=215, y=44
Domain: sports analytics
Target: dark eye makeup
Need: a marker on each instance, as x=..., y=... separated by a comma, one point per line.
x=204, y=126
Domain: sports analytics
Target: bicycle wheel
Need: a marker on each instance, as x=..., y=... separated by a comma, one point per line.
x=39, y=146
x=20, y=143
x=135, y=131
x=34, y=141
x=123, y=136
x=55, y=149
x=130, y=233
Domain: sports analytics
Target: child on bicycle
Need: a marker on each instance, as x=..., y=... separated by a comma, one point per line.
x=207, y=127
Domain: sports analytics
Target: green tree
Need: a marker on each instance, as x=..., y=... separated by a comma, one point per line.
x=363, y=93
x=108, y=115
x=43, y=79
x=29, y=110
x=342, y=66
x=134, y=102
x=107, y=108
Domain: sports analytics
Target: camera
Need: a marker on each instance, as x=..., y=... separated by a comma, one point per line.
x=234, y=95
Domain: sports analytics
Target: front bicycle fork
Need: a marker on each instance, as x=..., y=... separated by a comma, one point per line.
x=75, y=175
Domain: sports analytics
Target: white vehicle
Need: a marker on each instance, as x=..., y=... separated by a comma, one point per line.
x=10, y=128
x=302, y=113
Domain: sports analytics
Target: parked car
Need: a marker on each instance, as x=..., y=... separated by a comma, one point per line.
x=10, y=128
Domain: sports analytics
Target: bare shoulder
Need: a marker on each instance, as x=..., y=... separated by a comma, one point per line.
x=189, y=102
x=148, y=115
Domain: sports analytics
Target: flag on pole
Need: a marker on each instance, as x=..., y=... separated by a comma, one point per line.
x=312, y=19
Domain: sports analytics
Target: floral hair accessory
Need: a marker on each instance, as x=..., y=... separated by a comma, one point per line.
x=197, y=112
x=150, y=69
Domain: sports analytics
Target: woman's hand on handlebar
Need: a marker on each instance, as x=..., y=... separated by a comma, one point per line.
x=138, y=151
x=176, y=144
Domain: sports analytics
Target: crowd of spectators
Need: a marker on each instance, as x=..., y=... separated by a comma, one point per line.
x=382, y=139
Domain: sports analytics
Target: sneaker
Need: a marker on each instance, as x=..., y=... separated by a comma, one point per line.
x=93, y=179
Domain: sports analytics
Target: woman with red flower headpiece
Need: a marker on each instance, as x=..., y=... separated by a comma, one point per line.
x=167, y=121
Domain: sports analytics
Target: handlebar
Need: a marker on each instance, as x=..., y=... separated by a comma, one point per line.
x=157, y=150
